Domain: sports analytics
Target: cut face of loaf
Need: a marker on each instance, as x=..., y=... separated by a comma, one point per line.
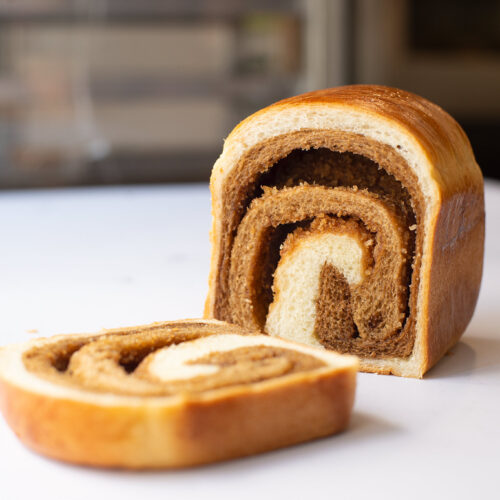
x=352, y=219
x=171, y=394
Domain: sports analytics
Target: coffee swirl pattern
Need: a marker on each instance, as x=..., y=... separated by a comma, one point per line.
x=165, y=360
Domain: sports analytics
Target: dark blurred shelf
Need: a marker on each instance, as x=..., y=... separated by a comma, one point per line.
x=116, y=11
x=121, y=167
x=484, y=136
x=259, y=87
x=139, y=168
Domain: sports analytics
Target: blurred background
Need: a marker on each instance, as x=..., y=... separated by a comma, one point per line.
x=128, y=91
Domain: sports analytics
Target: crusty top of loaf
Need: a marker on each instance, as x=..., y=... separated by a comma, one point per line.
x=442, y=139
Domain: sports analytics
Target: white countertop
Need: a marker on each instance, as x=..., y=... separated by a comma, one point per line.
x=83, y=259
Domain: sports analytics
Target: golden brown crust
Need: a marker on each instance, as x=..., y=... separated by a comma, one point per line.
x=441, y=159
x=198, y=432
x=455, y=278
x=188, y=429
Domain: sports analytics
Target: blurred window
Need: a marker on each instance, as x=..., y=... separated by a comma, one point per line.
x=126, y=91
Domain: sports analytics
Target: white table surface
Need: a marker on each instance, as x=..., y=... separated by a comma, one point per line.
x=82, y=259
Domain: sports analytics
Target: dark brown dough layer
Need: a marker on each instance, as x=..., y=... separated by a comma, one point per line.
x=331, y=159
x=118, y=363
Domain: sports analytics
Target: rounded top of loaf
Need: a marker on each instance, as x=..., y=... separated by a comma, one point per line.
x=439, y=137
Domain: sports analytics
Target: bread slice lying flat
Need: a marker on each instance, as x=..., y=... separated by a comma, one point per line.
x=350, y=218
x=171, y=394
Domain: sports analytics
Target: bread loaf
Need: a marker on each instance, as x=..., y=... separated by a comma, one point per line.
x=351, y=219
x=171, y=394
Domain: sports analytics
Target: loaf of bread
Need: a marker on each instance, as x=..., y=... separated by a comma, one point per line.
x=171, y=394
x=353, y=219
